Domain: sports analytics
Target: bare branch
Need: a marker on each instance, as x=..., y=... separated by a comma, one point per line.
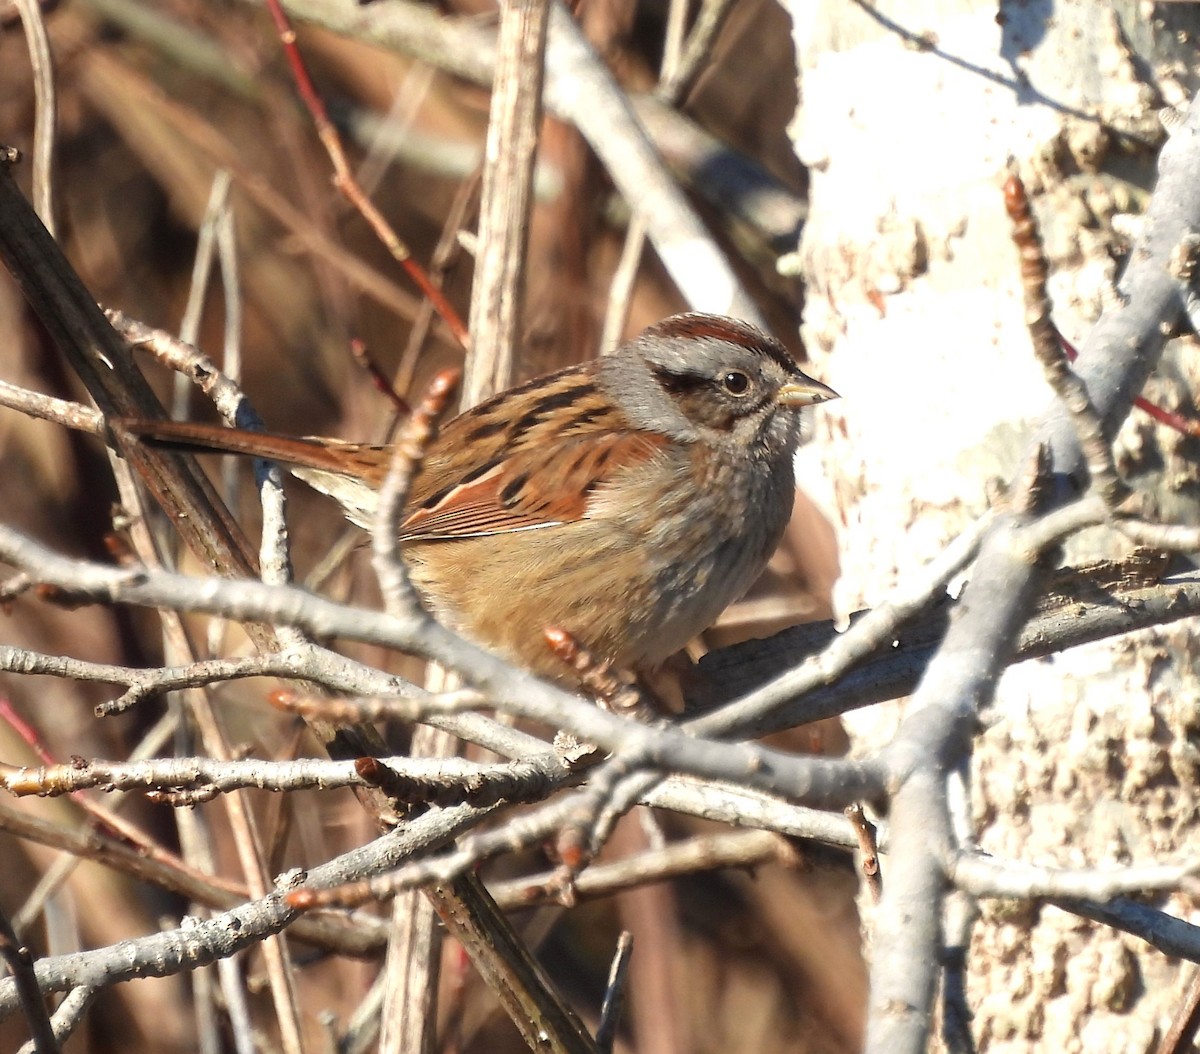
x=579, y=89
x=812, y=780
x=346, y=182
x=506, y=197
x=46, y=114
x=47, y=408
x=1118, y=355
x=614, y=994
x=985, y=876
x=439, y=781
x=20, y=964
x=419, y=431
x=67, y=1017
x=738, y=849
x=1035, y=272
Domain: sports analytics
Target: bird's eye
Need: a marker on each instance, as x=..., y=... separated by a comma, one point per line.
x=735, y=382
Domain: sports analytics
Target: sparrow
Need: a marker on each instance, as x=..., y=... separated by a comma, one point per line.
x=627, y=500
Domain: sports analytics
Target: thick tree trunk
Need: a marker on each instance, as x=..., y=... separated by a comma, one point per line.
x=910, y=113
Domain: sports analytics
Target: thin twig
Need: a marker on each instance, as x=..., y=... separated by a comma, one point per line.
x=45, y=113
x=447, y=780
x=362, y=356
x=1171, y=537
x=68, y=1016
x=231, y=360
x=620, y=289
x=520, y=832
x=61, y=411
x=206, y=239
x=1169, y=934
x=1180, y=1034
x=986, y=876
x=620, y=292
x=407, y=454
x=345, y=180
x=1164, y=417
x=614, y=994
x=359, y=711
x=868, y=849
x=679, y=77
x=506, y=197
x=717, y=852
x=446, y=254
x=1047, y=346
x=437, y=781
x=20, y=964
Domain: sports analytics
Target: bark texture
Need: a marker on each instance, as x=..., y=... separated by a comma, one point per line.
x=910, y=113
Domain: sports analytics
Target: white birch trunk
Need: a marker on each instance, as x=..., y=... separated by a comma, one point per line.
x=914, y=313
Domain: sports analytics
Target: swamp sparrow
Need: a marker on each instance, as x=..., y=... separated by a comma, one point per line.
x=627, y=500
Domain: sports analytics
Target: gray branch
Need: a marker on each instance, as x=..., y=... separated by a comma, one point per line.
x=1117, y=357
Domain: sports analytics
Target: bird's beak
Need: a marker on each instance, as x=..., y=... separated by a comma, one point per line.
x=805, y=392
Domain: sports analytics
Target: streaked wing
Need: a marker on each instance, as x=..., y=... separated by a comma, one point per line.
x=532, y=460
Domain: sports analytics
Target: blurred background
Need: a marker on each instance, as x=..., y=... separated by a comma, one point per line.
x=155, y=101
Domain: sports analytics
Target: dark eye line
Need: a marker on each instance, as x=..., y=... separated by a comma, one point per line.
x=686, y=382
x=671, y=381
x=743, y=404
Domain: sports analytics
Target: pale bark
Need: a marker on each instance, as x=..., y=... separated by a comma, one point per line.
x=914, y=314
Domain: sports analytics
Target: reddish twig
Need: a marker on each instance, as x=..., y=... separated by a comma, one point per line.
x=106, y=821
x=1163, y=417
x=868, y=848
x=1182, y=1031
x=1047, y=347
x=1035, y=271
x=1033, y=274
x=25, y=732
x=348, y=185
x=358, y=348
x=446, y=256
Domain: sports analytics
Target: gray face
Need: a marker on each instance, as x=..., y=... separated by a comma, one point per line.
x=703, y=377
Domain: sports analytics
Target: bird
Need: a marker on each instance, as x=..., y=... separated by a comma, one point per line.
x=625, y=501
